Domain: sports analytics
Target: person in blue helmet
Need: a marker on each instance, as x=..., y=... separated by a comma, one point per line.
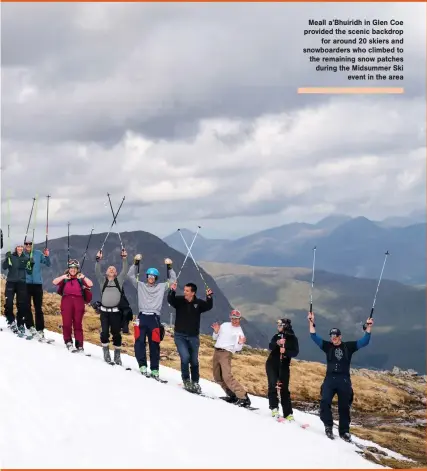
x=150, y=294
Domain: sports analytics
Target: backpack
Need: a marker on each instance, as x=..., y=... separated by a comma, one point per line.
x=86, y=292
x=123, y=305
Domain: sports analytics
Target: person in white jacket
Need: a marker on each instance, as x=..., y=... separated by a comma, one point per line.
x=229, y=339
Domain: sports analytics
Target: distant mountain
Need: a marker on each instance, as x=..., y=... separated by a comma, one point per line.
x=348, y=246
x=265, y=294
x=154, y=252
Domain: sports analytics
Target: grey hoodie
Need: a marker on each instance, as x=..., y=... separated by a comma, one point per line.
x=150, y=297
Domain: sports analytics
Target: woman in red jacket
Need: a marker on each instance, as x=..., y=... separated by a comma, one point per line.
x=74, y=288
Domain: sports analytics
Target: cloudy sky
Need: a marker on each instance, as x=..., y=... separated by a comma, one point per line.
x=191, y=112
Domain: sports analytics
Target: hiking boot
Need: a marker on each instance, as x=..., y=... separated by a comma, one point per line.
x=275, y=413
x=329, y=433
x=106, y=352
x=196, y=387
x=246, y=402
x=117, y=358
x=345, y=436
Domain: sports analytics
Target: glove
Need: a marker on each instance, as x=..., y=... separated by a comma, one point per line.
x=137, y=259
x=8, y=254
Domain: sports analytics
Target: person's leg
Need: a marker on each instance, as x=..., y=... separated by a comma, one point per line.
x=105, y=335
x=194, y=345
x=272, y=377
x=116, y=320
x=67, y=319
x=285, y=395
x=345, y=399
x=78, y=313
x=140, y=343
x=23, y=304
x=37, y=294
x=182, y=346
x=327, y=392
x=154, y=343
x=217, y=373
x=9, y=294
x=231, y=382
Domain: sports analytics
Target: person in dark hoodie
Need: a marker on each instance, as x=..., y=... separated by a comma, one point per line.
x=187, y=329
x=35, y=285
x=284, y=346
x=16, y=264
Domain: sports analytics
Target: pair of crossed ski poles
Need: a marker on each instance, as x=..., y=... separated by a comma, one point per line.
x=189, y=253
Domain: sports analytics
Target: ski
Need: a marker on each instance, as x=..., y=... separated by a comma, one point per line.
x=284, y=420
x=160, y=380
x=201, y=394
x=48, y=341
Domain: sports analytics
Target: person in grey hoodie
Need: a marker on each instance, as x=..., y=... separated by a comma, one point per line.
x=111, y=286
x=150, y=294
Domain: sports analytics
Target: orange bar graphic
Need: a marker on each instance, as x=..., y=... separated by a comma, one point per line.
x=351, y=90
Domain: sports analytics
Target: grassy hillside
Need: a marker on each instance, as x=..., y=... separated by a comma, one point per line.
x=385, y=404
x=265, y=294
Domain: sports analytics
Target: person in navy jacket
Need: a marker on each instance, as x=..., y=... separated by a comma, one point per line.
x=337, y=379
x=35, y=284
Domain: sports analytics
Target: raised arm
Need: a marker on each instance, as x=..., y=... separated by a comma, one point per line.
x=132, y=276
x=122, y=275
x=58, y=279
x=99, y=277
x=5, y=264
x=207, y=305
x=172, y=295
x=44, y=258
x=316, y=339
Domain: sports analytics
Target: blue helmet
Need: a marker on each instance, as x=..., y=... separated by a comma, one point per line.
x=152, y=271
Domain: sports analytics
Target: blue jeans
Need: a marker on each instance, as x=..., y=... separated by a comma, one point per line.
x=188, y=350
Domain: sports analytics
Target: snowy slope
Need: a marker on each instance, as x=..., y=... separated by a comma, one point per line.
x=62, y=410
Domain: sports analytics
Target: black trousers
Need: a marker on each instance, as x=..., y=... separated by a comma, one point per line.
x=341, y=386
x=272, y=371
x=35, y=293
x=111, y=322
x=23, y=314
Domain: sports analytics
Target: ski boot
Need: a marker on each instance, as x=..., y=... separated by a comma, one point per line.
x=329, y=433
x=143, y=370
x=275, y=413
x=33, y=333
x=290, y=418
x=187, y=385
x=21, y=331
x=195, y=386
x=70, y=346
x=246, y=402
x=80, y=350
x=155, y=374
x=13, y=327
x=106, y=352
x=117, y=358
x=41, y=336
x=346, y=437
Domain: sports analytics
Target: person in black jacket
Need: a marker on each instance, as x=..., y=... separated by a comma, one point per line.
x=187, y=329
x=284, y=346
x=337, y=379
x=16, y=264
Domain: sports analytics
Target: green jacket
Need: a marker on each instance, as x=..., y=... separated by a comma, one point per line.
x=17, y=268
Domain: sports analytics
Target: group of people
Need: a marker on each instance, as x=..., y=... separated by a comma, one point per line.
x=75, y=289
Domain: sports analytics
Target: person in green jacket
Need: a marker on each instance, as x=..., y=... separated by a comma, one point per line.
x=16, y=264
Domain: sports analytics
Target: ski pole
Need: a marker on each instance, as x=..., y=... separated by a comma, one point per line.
x=188, y=253
x=34, y=231
x=279, y=379
x=112, y=224
x=47, y=220
x=376, y=292
x=87, y=247
x=9, y=249
x=312, y=285
x=118, y=233
x=195, y=263
x=29, y=221
x=68, y=243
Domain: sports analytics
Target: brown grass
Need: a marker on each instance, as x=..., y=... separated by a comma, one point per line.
x=380, y=401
